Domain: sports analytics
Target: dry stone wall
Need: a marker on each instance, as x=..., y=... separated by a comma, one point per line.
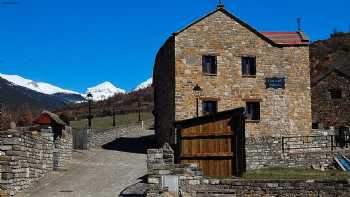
x=64, y=149
x=28, y=156
x=187, y=180
x=299, y=151
x=268, y=188
x=98, y=138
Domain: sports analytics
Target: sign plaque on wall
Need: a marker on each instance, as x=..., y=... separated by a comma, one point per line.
x=275, y=83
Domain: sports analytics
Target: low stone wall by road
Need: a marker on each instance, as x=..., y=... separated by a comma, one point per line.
x=297, y=151
x=64, y=148
x=97, y=138
x=166, y=177
x=28, y=156
x=268, y=188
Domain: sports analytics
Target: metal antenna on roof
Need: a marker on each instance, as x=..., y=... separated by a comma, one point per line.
x=220, y=4
x=299, y=24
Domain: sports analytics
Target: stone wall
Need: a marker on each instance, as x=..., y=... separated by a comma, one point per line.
x=28, y=156
x=268, y=188
x=98, y=138
x=188, y=180
x=64, y=147
x=160, y=163
x=298, y=151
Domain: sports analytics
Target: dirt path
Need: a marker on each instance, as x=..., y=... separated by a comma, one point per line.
x=98, y=172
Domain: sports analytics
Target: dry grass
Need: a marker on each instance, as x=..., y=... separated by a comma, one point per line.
x=106, y=122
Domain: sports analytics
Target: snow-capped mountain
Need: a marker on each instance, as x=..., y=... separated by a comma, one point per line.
x=104, y=91
x=144, y=84
x=41, y=87
x=57, y=93
x=14, y=97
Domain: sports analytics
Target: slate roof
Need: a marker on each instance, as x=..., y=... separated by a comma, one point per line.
x=278, y=39
x=53, y=117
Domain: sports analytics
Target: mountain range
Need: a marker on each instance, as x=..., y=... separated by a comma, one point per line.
x=16, y=91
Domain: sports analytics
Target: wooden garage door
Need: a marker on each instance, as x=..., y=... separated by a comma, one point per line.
x=211, y=146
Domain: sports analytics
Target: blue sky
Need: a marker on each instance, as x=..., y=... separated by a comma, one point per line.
x=77, y=44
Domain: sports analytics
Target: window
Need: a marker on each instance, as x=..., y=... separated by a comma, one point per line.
x=315, y=125
x=209, y=64
x=210, y=107
x=342, y=136
x=335, y=93
x=248, y=66
x=253, y=111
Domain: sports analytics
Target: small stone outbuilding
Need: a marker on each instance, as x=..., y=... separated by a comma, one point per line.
x=331, y=98
x=48, y=119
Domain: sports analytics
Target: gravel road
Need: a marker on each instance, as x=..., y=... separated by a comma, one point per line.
x=101, y=172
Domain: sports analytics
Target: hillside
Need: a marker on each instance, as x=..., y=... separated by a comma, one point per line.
x=17, y=91
x=333, y=52
x=123, y=103
x=15, y=97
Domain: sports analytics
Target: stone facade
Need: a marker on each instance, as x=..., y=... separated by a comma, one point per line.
x=283, y=111
x=328, y=112
x=28, y=156
x=164, y=91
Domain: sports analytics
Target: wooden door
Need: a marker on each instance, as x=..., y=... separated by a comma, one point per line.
x=211, y=146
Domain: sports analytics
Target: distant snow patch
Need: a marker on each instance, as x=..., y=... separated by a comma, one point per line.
x=41, y=87
x=145, y=84
x=104, y=91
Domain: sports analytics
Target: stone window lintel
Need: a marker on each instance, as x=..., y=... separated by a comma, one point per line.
x=209, y=99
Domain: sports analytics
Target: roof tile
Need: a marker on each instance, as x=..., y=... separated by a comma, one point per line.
x=287, y=38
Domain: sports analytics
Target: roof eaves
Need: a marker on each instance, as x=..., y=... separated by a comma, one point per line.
x=209, y=118
x=195, y=22
x=55, y=117
x=304, y=37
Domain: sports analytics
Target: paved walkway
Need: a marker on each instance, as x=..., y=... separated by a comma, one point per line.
x=98, y=172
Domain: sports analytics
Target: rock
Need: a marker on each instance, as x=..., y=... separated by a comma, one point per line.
x=5, y=148
x=137, y=189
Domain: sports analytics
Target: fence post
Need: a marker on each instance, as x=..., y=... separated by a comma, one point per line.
x=332, y=137
x=346, y=141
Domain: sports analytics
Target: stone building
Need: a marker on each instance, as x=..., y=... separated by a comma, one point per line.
x=234, y=65
x=331, y=98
